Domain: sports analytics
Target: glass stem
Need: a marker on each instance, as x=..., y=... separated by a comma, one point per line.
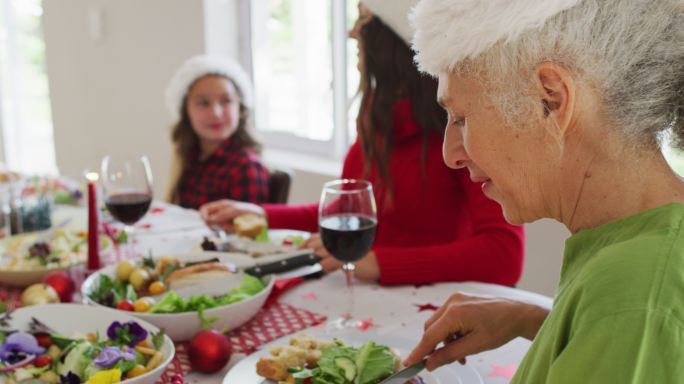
x=130, y=239
x=348, y=269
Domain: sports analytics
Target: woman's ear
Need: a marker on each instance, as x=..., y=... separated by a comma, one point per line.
x=557, y=90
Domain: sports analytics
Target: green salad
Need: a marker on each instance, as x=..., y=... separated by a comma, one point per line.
x=146, y=286
x=343, y=364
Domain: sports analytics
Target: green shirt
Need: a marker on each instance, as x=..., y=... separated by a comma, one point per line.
x=618, y=316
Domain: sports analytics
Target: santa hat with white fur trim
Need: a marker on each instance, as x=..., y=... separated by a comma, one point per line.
x=200, y=66
x=449, y=31
x=394, y=14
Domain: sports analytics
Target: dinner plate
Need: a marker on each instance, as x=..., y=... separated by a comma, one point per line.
x=245, y=371
x=23, y=277
x=182, y=326
x=275, y=237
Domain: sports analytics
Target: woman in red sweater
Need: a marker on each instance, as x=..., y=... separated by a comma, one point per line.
x=434, y=224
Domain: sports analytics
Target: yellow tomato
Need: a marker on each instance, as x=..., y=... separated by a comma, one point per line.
x=157, y=288
x=138, y=278
x=143, y=304
x=124, y=270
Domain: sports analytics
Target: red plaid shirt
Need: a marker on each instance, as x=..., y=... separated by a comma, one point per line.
x=229, y=173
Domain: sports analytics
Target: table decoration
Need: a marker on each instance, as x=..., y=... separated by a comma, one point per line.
x=93, y=223
x=209, y=351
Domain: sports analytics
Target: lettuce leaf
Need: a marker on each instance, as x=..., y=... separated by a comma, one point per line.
x=374, y=363
x=329, y=372
x=172, y=303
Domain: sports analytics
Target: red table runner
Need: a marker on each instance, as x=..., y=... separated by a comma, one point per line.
x=272, y=322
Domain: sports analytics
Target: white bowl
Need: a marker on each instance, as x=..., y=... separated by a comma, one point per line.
x=183, y=326
x=68, y=319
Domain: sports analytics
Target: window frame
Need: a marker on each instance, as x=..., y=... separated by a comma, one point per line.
x=336, y=147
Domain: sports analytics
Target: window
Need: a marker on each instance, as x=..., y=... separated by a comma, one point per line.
x=304, y=79
x=25, y=117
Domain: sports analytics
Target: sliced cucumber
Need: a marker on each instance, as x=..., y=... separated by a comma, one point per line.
x=348, y=367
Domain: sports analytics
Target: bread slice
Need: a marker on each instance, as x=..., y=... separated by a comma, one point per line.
x=196, y=274
x=249, y=225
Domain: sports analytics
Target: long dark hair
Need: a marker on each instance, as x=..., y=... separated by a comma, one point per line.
x=187, y=143
x=389, y=74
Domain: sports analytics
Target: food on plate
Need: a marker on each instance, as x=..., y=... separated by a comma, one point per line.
x=134, y=284
x=44, y=356
x=249, y=225
x=311, y=360
x=262, y=245
x=23, y=252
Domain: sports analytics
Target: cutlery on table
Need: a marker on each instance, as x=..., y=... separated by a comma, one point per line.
x=306, y=265
x=286, y=264
x=405, y=374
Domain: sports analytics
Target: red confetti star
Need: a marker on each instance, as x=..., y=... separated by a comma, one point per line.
x=367, y=324
x=507, y=371
x=426, y=307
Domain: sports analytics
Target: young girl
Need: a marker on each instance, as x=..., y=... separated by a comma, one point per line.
x=215, y=156
x=434, y=224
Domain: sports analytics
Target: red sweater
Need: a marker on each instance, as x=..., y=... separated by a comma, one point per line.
x=439, y=225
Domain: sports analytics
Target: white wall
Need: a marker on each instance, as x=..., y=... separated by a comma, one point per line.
x=107, y=85
x=108, y=63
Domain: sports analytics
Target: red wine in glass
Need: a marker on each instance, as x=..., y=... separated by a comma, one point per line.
x=347, y=220
x=127, y=190
x=128, y=208
x=349, y=237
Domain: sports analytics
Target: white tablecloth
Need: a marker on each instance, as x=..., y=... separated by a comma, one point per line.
x=391, y=310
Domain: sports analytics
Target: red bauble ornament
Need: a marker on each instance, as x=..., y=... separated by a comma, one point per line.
x=208, y=351
x=62, y=283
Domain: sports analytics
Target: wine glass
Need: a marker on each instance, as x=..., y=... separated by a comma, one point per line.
x=127, y=189
x=347, y=219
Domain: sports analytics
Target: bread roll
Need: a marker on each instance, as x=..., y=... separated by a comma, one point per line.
x=249, y=225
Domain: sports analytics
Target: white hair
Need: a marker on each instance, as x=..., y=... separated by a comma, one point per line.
x=630, y=51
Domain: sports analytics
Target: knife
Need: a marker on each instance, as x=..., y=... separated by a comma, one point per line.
x=405, y=374
x=283, y=265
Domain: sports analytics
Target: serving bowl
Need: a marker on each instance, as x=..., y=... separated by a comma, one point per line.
x=184, y=325
x=70, y=319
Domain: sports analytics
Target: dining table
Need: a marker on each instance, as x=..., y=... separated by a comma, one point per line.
x=301, y=304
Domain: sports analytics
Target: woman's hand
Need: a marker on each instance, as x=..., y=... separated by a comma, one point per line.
x=471, y=324
x=222, y=212
x=367, y=269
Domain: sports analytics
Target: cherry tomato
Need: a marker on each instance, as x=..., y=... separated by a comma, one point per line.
x=42, y=361
x=125, y=305
x=44, y=340
x=287, y=241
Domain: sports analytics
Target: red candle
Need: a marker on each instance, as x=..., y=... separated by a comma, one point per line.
x=93, y=224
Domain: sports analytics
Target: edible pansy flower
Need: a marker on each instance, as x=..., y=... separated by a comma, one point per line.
x=105, y=377
x=19, y=343
x=69, y=378
x=129, y=333
x=111, y=355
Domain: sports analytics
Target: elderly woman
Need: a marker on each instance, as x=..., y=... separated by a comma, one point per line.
x=558, y=108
